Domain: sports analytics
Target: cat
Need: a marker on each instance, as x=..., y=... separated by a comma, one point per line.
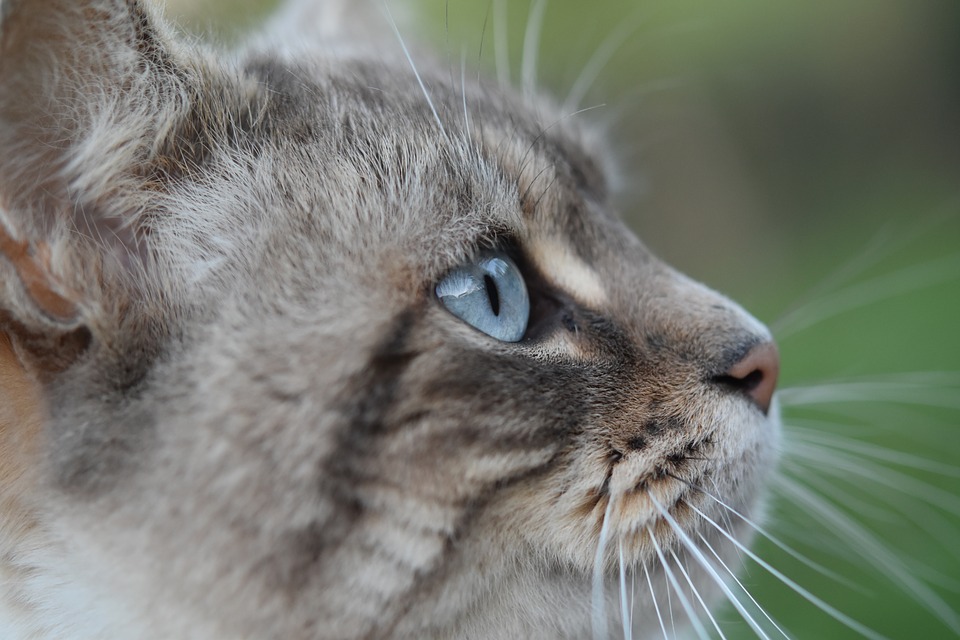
x=308, y=340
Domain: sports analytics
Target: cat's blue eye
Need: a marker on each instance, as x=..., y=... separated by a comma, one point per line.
x=489, y=294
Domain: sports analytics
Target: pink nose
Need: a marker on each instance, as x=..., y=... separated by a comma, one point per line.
x=756, y=374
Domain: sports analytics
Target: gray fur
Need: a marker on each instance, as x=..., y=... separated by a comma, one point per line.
x=271, y=428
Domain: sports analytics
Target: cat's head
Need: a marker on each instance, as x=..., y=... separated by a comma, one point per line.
x=319, y=346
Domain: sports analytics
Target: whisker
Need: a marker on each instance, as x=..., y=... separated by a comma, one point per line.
x=524, y=159
x=536, y=205
x=820, y=604
x=501, y=42
x=908, y=485
x=673, y=622
x=725, y=514
x=867, y=450
x=483, y=33
x=696, y=593
x=406, y=52
x=633, y=592
x=915, y=509
x=526, y=192
x=910, y=378
x=870, y=548
x=866, y=421
x=599, y=60
x=780, y=544
x=653, y=598
x=937, y=527
x=746, y=591
x=463, y=93
x=446, y=30
x=945, y=533
x=864, y=293
x=913, y=393
x=684, y=602
x=711, y=571
x=870, y=256
x=847, y=271
x=626, y=618
x=531, y=47
x=599, y=618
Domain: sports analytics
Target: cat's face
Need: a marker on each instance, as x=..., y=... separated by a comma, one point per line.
x=258, y=417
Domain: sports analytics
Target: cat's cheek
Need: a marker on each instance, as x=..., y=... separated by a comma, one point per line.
x=564, y=512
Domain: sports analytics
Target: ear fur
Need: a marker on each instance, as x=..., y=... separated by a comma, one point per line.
x=89, y=89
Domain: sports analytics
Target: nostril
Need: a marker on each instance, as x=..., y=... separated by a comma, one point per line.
x=755, y=375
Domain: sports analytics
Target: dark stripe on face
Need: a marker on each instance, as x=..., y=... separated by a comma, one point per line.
x=377, y=384
x=430, y=583
x=300, y=553
x=372, y=396
x=509, y=403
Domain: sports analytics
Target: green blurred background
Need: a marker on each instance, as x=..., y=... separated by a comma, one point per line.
x=803, y=157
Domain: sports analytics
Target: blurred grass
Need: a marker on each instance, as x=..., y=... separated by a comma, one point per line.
x=767, y=145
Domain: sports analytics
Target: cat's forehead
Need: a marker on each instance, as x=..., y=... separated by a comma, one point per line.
x=452, y=166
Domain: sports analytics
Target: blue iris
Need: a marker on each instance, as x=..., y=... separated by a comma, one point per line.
x=488, y=293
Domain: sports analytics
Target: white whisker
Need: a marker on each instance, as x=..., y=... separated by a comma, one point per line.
x=746, y=591
x=599, y=618
x=877, y=391
x=867, y=257
x=626, y=618
x=446, y=31
x=725, y=514
x=673, y=622
x=884, y=244
x=780, y=544
x=406, y=52
x=820, y=604
x=656, y=606
x=599, y=60
x=501, y=42
x=692, y=548
x=836, y=441
x=870, y=548
x=915, y=509
x=873, y=290
x=684, y=602
x=633, y=592
x=918, y=490
x=463, y=93
x=531, y=47
x=907, y=379
x=696, y=593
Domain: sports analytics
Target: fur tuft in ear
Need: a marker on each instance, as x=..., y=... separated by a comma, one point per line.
x=91, y=91
x=30, y=284
x=39, y=312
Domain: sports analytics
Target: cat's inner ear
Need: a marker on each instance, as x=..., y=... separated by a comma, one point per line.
x=31, y=284
x=88, y=90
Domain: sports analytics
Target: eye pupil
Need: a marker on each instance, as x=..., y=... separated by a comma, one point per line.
x=492, y=294
x=489, y=294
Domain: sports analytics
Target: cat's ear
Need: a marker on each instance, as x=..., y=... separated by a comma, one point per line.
x=88, y=92
x=337, y=23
